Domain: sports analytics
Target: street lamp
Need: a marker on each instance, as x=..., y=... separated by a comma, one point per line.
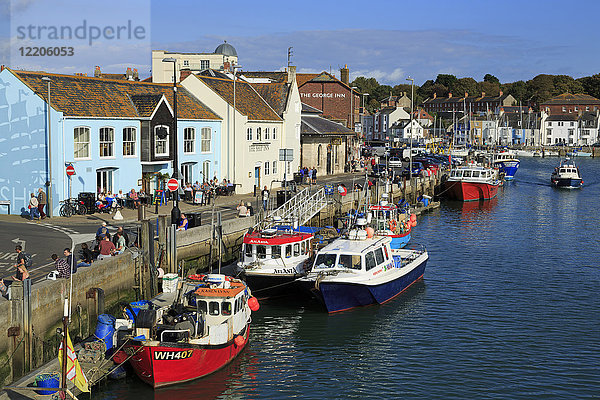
x=412, y=95
x=49, y=153
x=352, y=89
x=175, y=212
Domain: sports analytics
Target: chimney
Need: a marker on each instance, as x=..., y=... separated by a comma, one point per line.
x=97, y=73
x=129, y=74
x=227, y=66
x=184, y=73
x=2, y=67
x=466, y=95
x=291, y=74
x=345, y=74
x=434, y=95
x=501, y=93
x=450, y=95
x=482, y=94
x=136, y=76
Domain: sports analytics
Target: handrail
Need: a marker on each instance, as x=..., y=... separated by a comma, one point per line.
x=302, y=207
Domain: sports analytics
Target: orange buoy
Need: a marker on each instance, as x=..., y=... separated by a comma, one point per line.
x=239, y=339
x=370, y=232
x=253, y=303
x=413, y=223
x=413, y=217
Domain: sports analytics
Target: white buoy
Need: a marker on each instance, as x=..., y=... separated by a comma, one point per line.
x=117, y=215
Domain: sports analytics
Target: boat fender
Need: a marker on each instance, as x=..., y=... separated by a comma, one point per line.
x=393, y=225
x=197, y=277
x=413, y=217
x=239, y=340
x=253, y=303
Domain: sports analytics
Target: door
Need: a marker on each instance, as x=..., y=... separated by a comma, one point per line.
x=104, y=180
x=186, y=171
x=329, y=161
x=257, y=177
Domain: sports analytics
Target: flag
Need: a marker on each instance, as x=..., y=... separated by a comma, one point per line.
x=74, y=371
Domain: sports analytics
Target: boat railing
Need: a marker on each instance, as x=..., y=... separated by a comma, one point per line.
x=302, y=207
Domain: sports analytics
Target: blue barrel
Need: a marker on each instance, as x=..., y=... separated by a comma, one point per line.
x=49, y=380
x=136, y=306
x=106, y=329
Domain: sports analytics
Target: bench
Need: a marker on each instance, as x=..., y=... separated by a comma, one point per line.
x=5, y=203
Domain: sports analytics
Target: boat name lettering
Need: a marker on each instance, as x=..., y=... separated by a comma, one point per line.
x=376, y=272
x=284, y=271
x=173, y=355
x=258, y=241
x=220, y=291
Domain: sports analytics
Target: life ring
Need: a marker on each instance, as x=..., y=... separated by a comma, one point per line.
x=393, y=225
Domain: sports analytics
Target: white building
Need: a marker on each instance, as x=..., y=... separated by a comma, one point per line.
x=385, y=118
x=404, y=131
x=570, y=129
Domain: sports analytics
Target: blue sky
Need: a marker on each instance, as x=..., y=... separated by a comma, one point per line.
x=387, y=40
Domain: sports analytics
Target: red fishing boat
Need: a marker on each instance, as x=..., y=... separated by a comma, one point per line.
x=202, y=330
x=472, y=183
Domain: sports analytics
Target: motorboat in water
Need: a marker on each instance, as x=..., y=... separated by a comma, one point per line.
x=566, y=175
x=472, y=183
x=387, y=220
x=507, y=164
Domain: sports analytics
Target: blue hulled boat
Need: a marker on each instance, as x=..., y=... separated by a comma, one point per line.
x=566, y=175
x=358, y=270
x=507, y=164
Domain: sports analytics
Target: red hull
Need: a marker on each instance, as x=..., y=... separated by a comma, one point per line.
x=167, y=365
x=471, y=191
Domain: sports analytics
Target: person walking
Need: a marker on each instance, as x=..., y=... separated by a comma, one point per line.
x=23, y=262
x=34, y=212
x=265, y=198
x=41, y=202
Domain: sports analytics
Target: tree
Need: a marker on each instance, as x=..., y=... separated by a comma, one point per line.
x=491, y=78
x=447, y=80
x=518, y=90
x=489, y=88
x=465, y=85
x=591, y=85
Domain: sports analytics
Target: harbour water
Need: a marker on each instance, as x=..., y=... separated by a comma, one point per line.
x=508, y=309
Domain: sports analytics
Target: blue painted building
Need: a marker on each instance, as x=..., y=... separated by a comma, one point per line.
x=117, y=134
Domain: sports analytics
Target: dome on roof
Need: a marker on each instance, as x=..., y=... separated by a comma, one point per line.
x=226, y=49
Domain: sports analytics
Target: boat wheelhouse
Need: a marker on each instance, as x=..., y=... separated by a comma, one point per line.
x=566, y=175
x=472, y=183
x=386, y=220
x=507, y=164
x=359, y=271
x=272, y=259
x=200, y=329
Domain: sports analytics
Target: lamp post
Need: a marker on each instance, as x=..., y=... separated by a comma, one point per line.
x=235, y=69
x=175, y=212
x=412, y=95
x=49, y=153
x=352, y=89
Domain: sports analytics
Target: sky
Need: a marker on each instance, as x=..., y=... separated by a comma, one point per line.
x=386, y=40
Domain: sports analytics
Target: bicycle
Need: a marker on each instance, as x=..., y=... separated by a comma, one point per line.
x=72, y=206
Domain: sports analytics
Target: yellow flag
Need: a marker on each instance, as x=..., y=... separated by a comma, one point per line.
x=74, y=372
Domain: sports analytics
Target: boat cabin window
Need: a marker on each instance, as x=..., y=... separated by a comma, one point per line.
x=349, y=261
x=288, y=251
x=467, y=174
x=303, y=247
x=379, y=256
x=385, y=252
x=276, y=252
x=459, y=173
x=202, y=307
x=248, y=250
x=261, y=251
x=296, y=249
x=213, y=308
x=226, y=308
x=370, y=261
x=325, y=261
x=475, y=174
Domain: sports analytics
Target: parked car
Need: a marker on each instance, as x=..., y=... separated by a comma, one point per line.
x=417, y=168
x=394, y=162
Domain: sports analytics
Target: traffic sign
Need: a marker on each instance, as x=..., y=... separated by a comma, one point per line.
x=70, y=170
x=172, y=184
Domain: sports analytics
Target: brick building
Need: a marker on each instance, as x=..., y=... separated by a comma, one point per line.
x=567, y=103
x=468, y=103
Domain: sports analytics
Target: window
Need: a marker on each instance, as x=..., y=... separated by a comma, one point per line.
x=267, y=134
x=261, y=251
x=161, y=140
x=129, y=141
x=303, y=250
x=587, y=108
x=107, y=141
x=189, y=139
x=206, y=138
x=576, y=108
x=288, y=251
x=248, y=250
x=213, y=308
x=258, y=134
x=104, y=180
x=274, y=133
x=370, y=261
x=266, y=168
x=571, y=132
x=202, y=306
x=81, y=139
x=204, y=64
x=289, y=167
x=206, y=170
x=276, y=252
x=325, y=261
x=296, y=249
x=564, y=109
x=226, y=308
x=274, y=167
x=572, y=123
x=249, y=134
x=186, y=63
x=379, y=256
x=186, y=170
x=349, y=261
x=319, y=151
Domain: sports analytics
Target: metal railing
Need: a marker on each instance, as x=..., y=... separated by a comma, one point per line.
x=302, y=207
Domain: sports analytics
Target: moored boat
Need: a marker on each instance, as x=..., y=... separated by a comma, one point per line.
x=566, y=175
x=359, y=270
x=386, y=220
x=507, y=164
x=472, y=183
x=204, y=329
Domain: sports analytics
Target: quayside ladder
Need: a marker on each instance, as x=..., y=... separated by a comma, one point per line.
x=302, y=207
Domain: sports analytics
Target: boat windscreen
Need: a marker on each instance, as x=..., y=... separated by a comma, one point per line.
x=325, y=261
x=349, y=261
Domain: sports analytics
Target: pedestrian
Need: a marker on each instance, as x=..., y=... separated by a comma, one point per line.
x=183, y=223
x=265, y=197
x=315, y=175
x=310, y=174
x=106, y=248
x=69, y=260
x=23, y=262
x=242, y=210
x=87, y=257
x=64, y=271
x=41, y=202
x=249, y=210
x=301, y=175
x=34, y=212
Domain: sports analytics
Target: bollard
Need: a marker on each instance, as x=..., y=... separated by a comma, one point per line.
x=141, y=212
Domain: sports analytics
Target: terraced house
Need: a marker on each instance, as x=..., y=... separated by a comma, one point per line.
x=117, y=134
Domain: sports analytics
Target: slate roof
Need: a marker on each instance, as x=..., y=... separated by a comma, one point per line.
x=275, y=94
x=247, y=100
x=316, y=125
x=78, y=96
x=310, y=109
x=303, y=78
x=273, y=76
x=568, y=98
x=562, y=117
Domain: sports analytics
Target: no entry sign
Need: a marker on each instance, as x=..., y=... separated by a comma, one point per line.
x=70, y=170
x=172, y=184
